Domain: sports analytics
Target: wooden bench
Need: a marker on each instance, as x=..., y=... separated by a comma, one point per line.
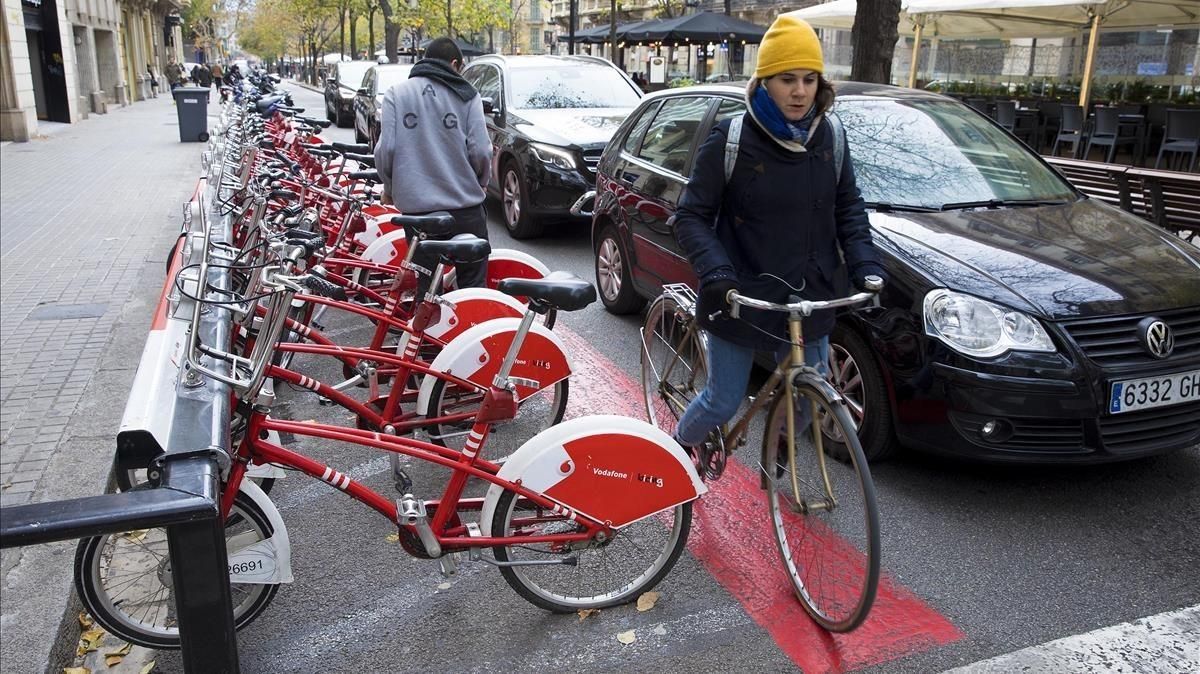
x=1169, y=199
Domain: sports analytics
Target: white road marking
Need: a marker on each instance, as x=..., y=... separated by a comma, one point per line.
x=1161, y=644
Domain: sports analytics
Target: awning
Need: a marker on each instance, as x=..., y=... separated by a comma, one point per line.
x=1008, y=19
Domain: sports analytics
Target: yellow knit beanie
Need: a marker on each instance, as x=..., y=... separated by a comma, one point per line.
x=789, y=44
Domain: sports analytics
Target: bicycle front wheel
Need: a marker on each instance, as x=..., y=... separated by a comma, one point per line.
x=604, y=573
x=124, y=579
x=823, y=511
x=673, y=363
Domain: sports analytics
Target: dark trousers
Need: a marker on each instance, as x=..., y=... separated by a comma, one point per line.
x=469, y=220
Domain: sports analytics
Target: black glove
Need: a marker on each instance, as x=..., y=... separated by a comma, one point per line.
x=870, y=269
x=714, y=295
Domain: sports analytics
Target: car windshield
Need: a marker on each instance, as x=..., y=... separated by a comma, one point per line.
x=574, y=86
x=351, y=73
x=932, y=153
x=389, y=76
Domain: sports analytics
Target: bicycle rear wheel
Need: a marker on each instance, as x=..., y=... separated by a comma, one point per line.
x=824, y=513
x=604, y=574
x=673, y=363
x=535, y=414
x=124, y=579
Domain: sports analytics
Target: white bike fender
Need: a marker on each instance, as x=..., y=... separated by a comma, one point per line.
x=267, y=561
x=506, y=262
x=471, y=306
x=609, y=468
x=387, y=249
x=464, y=355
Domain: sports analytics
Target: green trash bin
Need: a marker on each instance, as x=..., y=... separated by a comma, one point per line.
x=191, y=105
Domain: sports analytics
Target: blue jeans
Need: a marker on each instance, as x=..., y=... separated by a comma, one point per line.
x=728, y=375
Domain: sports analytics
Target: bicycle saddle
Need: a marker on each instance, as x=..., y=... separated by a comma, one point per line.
x=462, y=248
x=343, y=148
x=434, y=226
x=560, y=289
x=368, y=159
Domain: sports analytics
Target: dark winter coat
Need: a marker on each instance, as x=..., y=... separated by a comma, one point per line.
x=783, y=213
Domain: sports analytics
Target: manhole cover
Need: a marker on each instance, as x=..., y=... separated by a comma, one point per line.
x=67, y=312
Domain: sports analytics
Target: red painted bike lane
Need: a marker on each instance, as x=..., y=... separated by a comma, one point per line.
x=732, y=538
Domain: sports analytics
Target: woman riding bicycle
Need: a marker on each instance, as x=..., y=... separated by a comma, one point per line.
x=778, y=221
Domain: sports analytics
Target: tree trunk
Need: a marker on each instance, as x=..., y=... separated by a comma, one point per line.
x=449, y=21
x=353, y=36
x=342, y=32
x=874, y=39
x=612, y=33
x=391, y=31
x=371, y=33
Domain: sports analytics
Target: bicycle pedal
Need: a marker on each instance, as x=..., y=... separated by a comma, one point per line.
x=324, y=402
x=448, y=565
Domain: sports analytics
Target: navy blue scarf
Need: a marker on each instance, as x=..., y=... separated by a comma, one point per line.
x=771, y=117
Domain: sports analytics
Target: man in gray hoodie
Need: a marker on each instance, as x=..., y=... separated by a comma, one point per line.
x=434, y=153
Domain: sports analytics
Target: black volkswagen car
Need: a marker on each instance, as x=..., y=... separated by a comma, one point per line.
x=1023, y=322
x=549, y=118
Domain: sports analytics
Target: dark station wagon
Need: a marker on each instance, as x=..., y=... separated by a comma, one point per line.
x=1024, y=321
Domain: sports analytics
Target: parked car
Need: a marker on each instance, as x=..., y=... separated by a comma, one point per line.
x=549, y=118
x=368, y=100
x=1024, y=321
x=341, y=85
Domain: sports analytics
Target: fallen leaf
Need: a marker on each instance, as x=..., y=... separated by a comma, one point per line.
x=113, y=658
x=136, y=536
x=89, y=641
x=147, y=668
x=444, y=586
x=627, y=637
x=85, y=620
x=647, y=601
x=585, y=613
x=392, y=538
x=76, y=670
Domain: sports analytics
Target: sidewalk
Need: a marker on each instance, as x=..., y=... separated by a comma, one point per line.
x=86, y=219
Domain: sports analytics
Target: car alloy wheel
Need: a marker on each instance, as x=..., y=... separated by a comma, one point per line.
x=612, y=275
x=516, y=218
x=856, y=375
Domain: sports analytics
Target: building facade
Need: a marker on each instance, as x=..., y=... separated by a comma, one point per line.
x=61, y=60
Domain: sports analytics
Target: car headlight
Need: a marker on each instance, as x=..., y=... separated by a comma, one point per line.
x=980, y=328
x=554, y=156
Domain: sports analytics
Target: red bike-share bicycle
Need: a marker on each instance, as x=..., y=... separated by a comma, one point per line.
x=589, y=513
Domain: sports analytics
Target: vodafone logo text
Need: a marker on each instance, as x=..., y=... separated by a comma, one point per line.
x=604, y=472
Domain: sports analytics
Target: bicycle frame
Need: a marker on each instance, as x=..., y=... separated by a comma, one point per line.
x=448, y=531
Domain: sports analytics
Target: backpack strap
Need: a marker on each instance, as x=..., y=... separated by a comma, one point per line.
x=839, y=143
x=734, y=139
x=732, y=143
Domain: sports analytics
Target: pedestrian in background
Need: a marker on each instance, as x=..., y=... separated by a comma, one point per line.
x=174, y=74
x=433, y=151
x=779, y=226
x=218, y=74
x=153, y=80
x=201, y=75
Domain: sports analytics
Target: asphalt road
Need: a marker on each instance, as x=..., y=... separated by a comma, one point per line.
x=979, y=560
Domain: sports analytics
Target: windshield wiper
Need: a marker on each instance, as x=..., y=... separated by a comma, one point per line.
x=1001, y=203
x=887, y=207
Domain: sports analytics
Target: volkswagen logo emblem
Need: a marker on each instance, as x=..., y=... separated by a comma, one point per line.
x=1156, y=337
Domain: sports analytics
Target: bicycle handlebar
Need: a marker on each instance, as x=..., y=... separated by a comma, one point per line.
x=804, y=307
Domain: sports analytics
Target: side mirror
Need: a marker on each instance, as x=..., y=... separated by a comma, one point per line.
x=363, y=92
x=489, y=106
x=331, y=80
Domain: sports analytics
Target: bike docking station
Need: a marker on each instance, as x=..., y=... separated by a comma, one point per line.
x=174, y=438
